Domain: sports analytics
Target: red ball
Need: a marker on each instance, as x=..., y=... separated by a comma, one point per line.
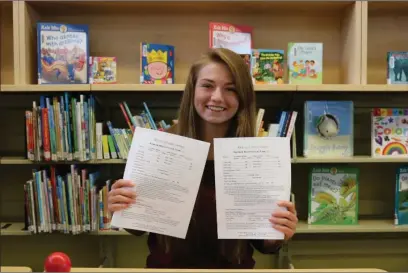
x=57, y=262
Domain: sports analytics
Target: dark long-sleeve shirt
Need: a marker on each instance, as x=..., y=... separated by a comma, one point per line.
x=202, y=248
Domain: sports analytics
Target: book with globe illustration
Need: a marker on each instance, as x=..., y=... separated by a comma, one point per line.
x=328, y=129
x=401, y=197
x=156, y=64
x=389, y=132
x=333, y=196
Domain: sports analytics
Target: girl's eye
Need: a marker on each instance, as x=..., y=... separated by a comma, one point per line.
x=231, y=89
x=206, y=85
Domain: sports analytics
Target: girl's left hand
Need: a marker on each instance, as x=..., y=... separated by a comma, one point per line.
x=285, y=220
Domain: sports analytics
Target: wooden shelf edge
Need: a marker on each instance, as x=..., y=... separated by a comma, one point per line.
x=180, y=88
x=45, y=88
x=364, y=226
x=353, y=159
x=297, y=160
x=23, y=161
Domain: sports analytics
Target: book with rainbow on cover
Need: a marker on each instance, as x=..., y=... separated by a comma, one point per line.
x=389, y=132
x=333, y=196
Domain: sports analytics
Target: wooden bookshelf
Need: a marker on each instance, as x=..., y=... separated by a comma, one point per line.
x=356, y=36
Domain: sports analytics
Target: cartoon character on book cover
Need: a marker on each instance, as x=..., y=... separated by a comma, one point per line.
x=102, y=69
x=389, y=132
x=157, y=64
x=401, y=196
x=267, y=66
x=328, y=129
x=397, y=69
x=305, y=63
x=62, y=53
x=333, y=196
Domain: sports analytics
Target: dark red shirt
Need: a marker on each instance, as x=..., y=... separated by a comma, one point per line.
x=201, y=249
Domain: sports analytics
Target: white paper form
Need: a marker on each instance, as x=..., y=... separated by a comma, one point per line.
x=167, y=171
x=251, y=175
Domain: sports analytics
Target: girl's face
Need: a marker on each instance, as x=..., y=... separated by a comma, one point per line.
x=215, y=99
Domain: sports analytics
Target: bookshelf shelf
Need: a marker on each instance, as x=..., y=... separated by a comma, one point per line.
x=364, y=226
x=46, y=88
x=361, y=88
x=354, y=159
x=24, y=161
x=297, y=160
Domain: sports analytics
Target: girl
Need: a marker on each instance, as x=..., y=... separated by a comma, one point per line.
x=218, y=101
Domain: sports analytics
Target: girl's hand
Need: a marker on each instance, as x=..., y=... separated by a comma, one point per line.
x=285, y=220
x=121, y=196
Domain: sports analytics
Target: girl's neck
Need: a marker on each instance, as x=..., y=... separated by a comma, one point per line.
x=211, y=131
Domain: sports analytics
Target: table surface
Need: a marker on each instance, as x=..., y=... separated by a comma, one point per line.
x=15, y=269
x=86, y=269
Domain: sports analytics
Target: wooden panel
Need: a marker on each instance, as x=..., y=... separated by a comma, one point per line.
x=386, y=31
x=32, y=250
x=187, y=29
x=6, y=43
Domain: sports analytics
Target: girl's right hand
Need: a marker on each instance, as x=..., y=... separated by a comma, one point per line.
x=121, y=195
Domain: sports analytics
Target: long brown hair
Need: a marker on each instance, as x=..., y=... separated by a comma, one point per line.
x=244, y=121
x=242, y=124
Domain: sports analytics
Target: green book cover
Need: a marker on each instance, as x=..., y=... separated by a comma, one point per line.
x=401, y=197
x=333, y=196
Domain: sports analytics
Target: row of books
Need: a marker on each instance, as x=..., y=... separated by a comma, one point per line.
x=75, y=202
x=64, y=128
x=70, y=203
x=61, y=128
x=329, y=130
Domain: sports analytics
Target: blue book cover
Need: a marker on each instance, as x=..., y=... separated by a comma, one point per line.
x=63, y=53
x=328, y=129
x=156, y=64
x=401, y=197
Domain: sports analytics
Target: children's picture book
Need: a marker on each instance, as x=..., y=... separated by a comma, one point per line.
x=397, y=67
x=328, y=129
x=333, y=196
x=389, y=132
x=156, y=64
x=63, y=52
x=267, y=66
x=237, y=38
x=401, y=196
x=305, y=63
x=102, y=70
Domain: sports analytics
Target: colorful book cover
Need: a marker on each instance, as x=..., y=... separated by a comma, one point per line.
x=156, y=64
x=389, y=132
x=397, y=67
x=237, y=38
x=63, y=52
x=328, y=130
x=267, y=66
x=102, y=70
x=333, y=196
x=401, y=197
x=305, y=63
